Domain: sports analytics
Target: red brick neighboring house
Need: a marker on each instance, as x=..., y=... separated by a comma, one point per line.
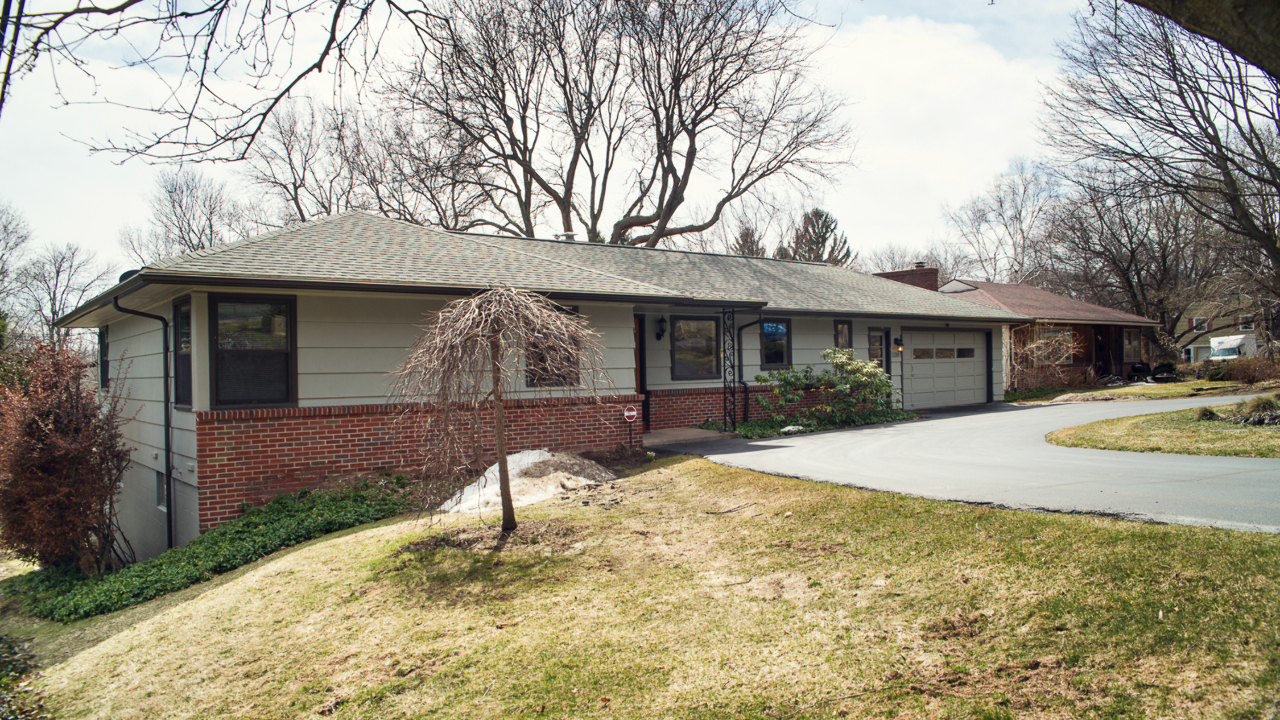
x=1107, y=341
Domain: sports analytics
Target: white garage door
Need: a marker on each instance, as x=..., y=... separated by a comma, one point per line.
x=944, y=368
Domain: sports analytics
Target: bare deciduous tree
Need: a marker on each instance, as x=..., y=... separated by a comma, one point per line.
x=950, y=259
x=475, y=353
x=1116, y=245
x=189, y=212
x=54, y=283
x=1003, y=227
x=318, y=160
x=15, y=235
x=1180, y=115
x=575, y=111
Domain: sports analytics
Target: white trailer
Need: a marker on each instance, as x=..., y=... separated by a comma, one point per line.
x=1232, y=347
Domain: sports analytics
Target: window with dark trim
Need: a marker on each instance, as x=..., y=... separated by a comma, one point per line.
x=775, y=344
x=254, y=350
x=844, y=334
x=1133, y=346
x=876, y=348
x=545, y=368
x=104, y=359
x=1246, y=323
x=695, y=348
x=182, y=352
x=160, y=492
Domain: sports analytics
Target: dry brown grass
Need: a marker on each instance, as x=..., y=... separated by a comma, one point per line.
x=695, y=591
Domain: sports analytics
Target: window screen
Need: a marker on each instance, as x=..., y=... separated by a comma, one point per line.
x=775, y=343
x=844, y=334
x=695, y=348
x=182, y=353
x=253, y=351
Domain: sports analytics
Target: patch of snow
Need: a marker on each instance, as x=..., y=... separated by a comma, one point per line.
x=792, y=429
x=485, y=494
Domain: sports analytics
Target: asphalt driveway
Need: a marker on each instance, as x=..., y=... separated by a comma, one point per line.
x=998, y=455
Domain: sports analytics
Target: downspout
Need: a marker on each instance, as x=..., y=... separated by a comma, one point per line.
x=168, y=423
x=746, y=389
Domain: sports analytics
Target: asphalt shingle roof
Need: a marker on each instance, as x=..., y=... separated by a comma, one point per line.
x=361, y=248
x=1043, y=305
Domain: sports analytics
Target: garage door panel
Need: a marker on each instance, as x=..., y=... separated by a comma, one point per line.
x=931, y=381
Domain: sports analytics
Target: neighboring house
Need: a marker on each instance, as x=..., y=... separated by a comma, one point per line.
x=1207, y=322
x=1106, y=341
x=281, y=347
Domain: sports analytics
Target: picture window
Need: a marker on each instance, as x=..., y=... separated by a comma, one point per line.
x=695, y=348
x=254, y=350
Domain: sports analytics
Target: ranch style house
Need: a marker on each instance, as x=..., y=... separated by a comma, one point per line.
x=261, y=367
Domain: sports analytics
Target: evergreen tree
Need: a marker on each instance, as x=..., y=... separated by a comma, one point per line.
x=748, y=243
x=817, y=240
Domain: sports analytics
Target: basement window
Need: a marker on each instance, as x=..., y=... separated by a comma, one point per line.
x=254, y=350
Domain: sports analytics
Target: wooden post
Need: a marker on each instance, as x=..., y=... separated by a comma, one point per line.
x=500, y=434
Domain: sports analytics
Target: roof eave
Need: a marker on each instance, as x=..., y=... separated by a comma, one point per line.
x=145, y=278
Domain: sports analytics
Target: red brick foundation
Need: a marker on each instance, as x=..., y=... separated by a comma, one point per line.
x=250, y=456
x=694, y=406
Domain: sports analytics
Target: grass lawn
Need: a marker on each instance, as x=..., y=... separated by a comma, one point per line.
x=1174, y=433
x=692, y=590
x=1165, y=391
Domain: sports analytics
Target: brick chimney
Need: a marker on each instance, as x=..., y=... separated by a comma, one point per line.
x=920, y=276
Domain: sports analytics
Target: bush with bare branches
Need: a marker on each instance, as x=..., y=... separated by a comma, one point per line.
x=62, y=457
x=469, y=359
x=1039, y=356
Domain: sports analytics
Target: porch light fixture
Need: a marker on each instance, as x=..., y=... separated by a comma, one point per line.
x=662, y=328
x=897, y=345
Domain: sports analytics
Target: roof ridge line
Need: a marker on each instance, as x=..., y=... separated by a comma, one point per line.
x=574, y=266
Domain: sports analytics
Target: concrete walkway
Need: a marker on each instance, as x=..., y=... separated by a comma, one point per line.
x=679, y=436
x=997, y=454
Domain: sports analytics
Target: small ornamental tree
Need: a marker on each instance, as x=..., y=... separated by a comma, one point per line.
x=473, y=354
x=61, y=460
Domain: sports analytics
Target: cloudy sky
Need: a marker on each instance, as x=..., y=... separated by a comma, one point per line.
x=941, y=96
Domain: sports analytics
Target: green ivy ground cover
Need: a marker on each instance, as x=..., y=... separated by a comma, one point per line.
x=66, y=594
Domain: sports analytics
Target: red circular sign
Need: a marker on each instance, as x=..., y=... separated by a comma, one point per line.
x=630, y=413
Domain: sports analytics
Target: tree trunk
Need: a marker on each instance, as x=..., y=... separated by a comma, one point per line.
x=500, y=435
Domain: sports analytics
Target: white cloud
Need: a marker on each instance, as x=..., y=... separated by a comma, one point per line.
x=938, y=110
x=938, y=113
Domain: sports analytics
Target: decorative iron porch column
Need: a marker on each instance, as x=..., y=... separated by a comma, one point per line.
x=729, y=368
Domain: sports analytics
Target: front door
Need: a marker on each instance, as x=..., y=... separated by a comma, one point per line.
x=641, y=374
